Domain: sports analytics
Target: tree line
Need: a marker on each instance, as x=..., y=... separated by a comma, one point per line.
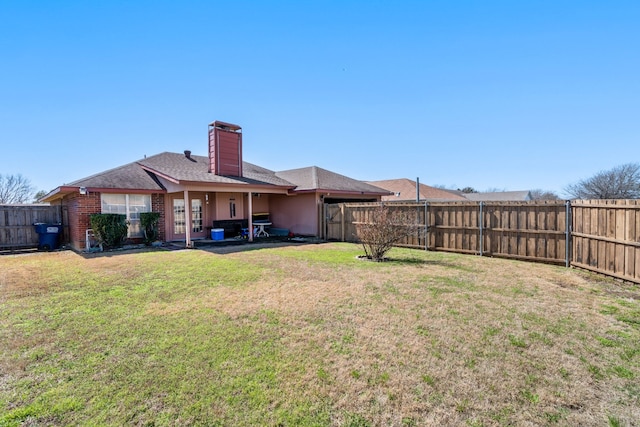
x=620, y=182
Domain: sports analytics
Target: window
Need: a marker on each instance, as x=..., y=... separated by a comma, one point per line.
x=130, y=205
x=196, y=215
x=179, y=217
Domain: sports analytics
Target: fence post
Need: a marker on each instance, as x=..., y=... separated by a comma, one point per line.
x=481, y=226
x=323, y=229
x=342, y=222
x=568, y=241
x=426, y=226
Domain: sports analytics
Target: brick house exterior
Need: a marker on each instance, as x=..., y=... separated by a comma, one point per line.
x=193, y=194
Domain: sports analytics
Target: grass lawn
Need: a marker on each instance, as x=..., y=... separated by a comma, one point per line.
x=310, y=335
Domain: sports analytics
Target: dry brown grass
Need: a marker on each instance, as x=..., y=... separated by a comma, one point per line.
x=425, y=339
x=450, y=340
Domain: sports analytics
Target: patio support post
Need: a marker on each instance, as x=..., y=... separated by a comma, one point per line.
x=187, y=219
x=250, y=219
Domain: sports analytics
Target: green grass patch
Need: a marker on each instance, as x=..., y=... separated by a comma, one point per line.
x=310, y=336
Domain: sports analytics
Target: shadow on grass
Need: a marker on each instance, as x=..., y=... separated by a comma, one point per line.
x=251, y=246
x=121, y=251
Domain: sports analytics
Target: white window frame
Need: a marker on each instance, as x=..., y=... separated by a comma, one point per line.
x=127, y=207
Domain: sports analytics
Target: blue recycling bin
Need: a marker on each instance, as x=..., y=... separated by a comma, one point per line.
x=48, y=235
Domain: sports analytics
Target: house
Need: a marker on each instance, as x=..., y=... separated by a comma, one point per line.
x=404, y=190
x=194, y=194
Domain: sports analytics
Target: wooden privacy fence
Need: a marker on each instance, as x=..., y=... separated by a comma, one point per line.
x=606, y=237
x=16, y=224
x=598, y=235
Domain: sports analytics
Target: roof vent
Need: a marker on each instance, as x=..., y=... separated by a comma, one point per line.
x=187, y=154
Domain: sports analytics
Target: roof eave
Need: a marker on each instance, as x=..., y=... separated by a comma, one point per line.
x=65, y=190
x=243, y=185
x=333, y=191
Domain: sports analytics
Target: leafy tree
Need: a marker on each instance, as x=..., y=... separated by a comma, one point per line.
x=40, y=194
x=539, y=194
x=386, y=227
x=468, y=190
x=620, y=182
x=15, y=189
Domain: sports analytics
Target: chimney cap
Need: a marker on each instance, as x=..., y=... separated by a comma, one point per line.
x=224, y=125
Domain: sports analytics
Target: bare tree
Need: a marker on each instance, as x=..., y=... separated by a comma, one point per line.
x=539, y=194
x=386, y=227
x=621, y=182
x=15, y=189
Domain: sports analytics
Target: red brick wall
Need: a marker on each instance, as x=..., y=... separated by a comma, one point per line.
x=80, y=207
x=225, y=152
x=157, y=205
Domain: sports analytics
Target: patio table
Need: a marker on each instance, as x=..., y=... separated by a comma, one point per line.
x=258, y=229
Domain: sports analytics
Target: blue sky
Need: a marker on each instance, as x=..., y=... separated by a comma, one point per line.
x=513, y=95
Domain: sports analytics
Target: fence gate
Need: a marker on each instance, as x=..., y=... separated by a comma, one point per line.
x=334, y=222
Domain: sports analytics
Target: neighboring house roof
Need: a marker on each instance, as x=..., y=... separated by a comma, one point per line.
x=404, y=189
x=314, y=178
x=500, y=196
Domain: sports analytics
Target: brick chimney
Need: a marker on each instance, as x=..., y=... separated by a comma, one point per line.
x=225, y=149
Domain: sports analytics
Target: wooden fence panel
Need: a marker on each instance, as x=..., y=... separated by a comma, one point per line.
x=418, y=214
x=16, y=224
x=606, y=237
x=342, y=221
x=454, y=227
x=533, y=231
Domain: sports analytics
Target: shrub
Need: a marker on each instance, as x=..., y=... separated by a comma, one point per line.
x=385, y=228
x=110, y=230
x=149, y=223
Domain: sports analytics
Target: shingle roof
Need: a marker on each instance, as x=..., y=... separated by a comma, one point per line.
x=196, y=169
x=314, y=178
x=130, y=176
x=405, y=189
x=140, y=175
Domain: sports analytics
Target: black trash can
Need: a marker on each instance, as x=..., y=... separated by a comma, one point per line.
x=48, y=235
